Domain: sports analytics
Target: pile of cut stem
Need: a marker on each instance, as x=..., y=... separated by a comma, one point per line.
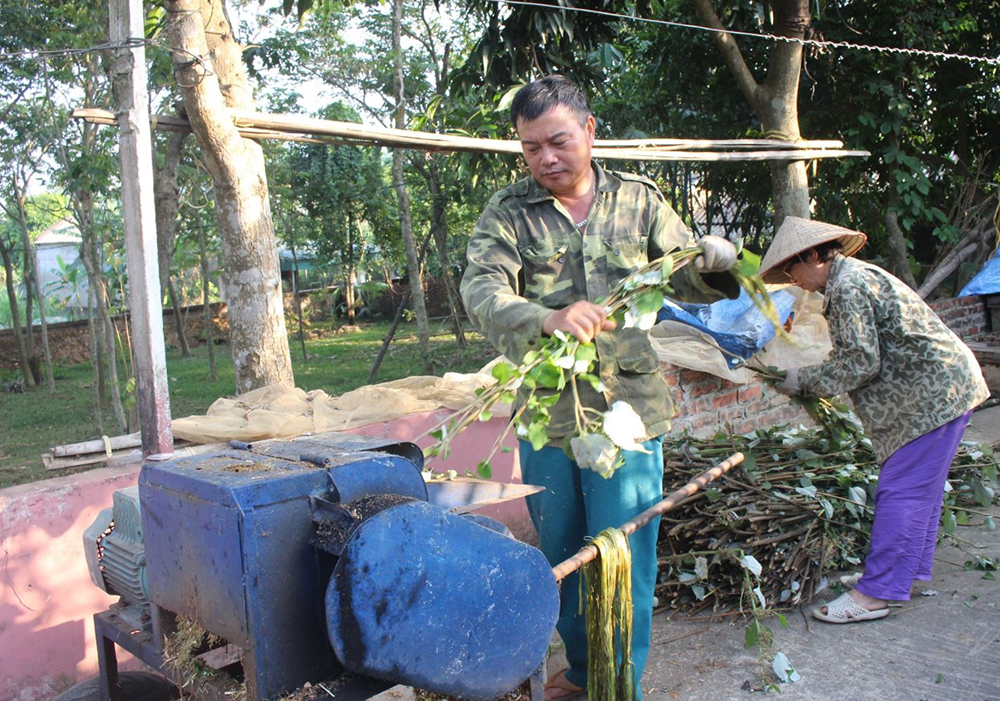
x=801, y=503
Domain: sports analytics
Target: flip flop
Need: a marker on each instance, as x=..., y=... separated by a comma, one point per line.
x=561, y=688
x=844, y=609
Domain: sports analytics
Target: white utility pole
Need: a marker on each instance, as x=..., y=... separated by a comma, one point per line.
x=136, y=154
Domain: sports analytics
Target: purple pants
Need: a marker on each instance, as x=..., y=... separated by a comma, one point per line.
x=907, y=511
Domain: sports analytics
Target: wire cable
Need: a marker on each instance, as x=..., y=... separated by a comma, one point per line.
x=819, y=43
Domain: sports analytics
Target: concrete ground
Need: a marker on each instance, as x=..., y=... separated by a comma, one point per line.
x=940, y=647
x=944, y=647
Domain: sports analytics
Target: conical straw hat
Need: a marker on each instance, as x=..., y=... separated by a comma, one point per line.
x=796, y=235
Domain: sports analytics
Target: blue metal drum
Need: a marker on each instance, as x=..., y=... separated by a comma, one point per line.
x=434, y=600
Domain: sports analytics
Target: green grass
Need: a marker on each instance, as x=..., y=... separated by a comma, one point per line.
x=33, y=422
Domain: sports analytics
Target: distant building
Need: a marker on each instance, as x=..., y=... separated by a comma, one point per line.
x=65, y=291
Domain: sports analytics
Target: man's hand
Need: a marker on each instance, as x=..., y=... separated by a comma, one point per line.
x=582, y=319
x=719, y=255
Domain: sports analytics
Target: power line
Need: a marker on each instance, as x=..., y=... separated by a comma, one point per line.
x=10, y=56
x=29, y=54
x=756, y=35
x=7, y=57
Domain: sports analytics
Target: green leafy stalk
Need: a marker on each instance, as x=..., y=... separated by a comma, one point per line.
x=543, y=375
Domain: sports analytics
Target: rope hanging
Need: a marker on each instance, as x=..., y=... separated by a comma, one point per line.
x=608, y=583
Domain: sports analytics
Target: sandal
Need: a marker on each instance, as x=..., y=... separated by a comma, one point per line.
x=844, y=609
x=559, y=687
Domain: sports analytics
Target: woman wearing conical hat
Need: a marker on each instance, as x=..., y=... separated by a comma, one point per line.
x=913, y=384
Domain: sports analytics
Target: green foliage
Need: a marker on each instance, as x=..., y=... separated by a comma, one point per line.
x=330, y=199
x=930, y=123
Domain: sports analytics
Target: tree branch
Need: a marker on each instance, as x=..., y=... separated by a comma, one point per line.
x=730, y=51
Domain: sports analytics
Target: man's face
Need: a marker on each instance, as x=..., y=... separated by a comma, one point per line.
x=557, y=149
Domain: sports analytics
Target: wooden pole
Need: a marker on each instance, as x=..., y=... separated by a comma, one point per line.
x=589, y=552
x=254, y=125
x=135, y=152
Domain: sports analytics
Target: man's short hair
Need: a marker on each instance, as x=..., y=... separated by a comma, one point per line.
x=538, y=97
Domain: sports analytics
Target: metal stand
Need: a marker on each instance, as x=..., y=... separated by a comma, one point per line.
x=111, y=629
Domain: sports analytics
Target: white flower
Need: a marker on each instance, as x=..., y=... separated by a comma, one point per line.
x=581, y=366
x=593, y=451
x=522, y=430
x=601, y=387
x=644, y=322
x=565, y=362
x=649, y=278
x=624, y=427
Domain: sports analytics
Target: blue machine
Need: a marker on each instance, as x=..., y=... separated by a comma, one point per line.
x=321, y=556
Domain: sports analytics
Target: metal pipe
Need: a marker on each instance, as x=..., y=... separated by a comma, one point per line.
x=589, y=552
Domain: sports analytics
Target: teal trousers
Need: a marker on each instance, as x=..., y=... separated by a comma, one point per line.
x=579, y=503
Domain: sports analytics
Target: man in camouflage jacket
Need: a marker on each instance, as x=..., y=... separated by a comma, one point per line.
x=546, y=250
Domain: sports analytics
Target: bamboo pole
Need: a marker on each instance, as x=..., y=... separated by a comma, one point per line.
x=255, y=125
x=130, y=440
x=589, y=552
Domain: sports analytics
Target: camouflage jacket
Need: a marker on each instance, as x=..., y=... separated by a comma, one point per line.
x=527, y=258
x=906, y=372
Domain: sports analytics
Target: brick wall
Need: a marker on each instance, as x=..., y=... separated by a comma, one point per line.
x=69, y=341
x=707, y=404
x=966, y=316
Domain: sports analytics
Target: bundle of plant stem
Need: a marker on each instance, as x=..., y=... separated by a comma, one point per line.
x=562, y=362
x=608, y=583
x=801, y=504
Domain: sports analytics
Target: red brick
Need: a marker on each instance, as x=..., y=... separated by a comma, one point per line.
x=748, y=392
x=700, y=389
x=694, y=376
x=696, y=406
x=724, y=400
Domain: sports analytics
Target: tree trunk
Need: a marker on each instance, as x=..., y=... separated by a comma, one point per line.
x=179, y=319
x=97, y=385
x=15, y=316
x=29, y=255
x=298, y=302
x=206, y=306
x=405, y=223
x=945, y=268
x=29, y=315
x=165, y=194
x=211, y=77
x=899, y=257
x=349, y=270
x=90, y=255
x=439, y=225
x=776, y=100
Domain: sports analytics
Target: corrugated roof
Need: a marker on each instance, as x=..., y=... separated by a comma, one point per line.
x=62, y=232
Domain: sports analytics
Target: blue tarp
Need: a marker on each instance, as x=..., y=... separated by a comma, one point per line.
x=987, y=282
x=735, y=324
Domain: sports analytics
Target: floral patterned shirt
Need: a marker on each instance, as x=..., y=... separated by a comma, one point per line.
x=905, y=371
